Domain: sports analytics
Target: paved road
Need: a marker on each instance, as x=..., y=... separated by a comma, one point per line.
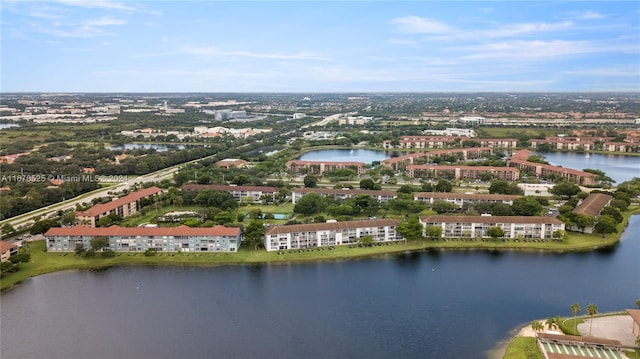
x=27, y=219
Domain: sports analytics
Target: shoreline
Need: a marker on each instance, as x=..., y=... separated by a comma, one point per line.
x=43, y=262
x=49, y=262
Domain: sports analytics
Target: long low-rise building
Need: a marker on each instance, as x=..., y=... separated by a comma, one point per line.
x=477, y=226
x=320, y=167
x=466, y=172
x=540, y=170
x=399, y=163
x=329, y=234
x=427, y=142
x=161, y=239
x=382, y=196
x=123, y=207
x=239, y=193
x=461, y=198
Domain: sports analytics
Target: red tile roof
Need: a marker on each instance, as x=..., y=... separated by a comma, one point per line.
x=6, y=246
x=116, y=230
x=131, y=197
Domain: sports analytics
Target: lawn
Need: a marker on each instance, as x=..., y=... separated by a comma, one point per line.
x=523, y=348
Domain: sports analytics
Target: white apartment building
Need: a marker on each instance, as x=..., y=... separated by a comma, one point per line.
x=329, y=234
x=477, y=226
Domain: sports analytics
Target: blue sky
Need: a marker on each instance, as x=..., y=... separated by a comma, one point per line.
x=330, y=46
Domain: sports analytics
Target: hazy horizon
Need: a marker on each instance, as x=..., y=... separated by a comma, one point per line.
x=83, y=46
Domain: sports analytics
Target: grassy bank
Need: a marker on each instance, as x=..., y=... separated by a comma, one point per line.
x=44, y=262
x=523, y=348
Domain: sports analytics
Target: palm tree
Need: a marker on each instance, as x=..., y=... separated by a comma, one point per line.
x=537, y=326
x=638, y=303
x=591, y=310
x=551, y=322
x=575, y=309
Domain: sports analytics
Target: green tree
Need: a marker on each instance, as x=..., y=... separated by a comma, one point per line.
x=442, y=206
x=43, y=225
x=537, y=326
x=552, y=322
x=565, y=190
x=495, y=232
x=309, y=204
x=366, y=241
x=79, y=250
x=526, y=206
x=254, y=234
x=582, y=221
x=433, y=232
x=559, y=234
x=98, y=243
x=575, y=309
x=619, y=204
x=606, y=224
x=7, y=229
x=591, y=311
x=504, y=187
x=20, y=258
x=410, y=228
x=310, y=181
x=613, y=212
x=443, y=186
x=223, y=217
x=367, y=183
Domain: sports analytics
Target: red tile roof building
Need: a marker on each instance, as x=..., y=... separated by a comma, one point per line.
x=540, y=170
x=123, y=206
x=161, y=239
x=7, y=250
x=400, y=163
x=466, y=172
x=320, y=167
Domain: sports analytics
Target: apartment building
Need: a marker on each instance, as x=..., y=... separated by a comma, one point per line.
x=463, y=172
x=123, y=207
x=540, y=170
x=477, y=226
x=7, y=250
x=329, y=234
x=382, y=196
x=239, y=193
x=161, y=239
x=401, y=162
x=565, y=143
x=320, y=167
x=460, y=199
x=427, y=142
x=591, y=206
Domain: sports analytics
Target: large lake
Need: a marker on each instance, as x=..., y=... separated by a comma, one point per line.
x=619, y=167
x=341, y=155
x=413, y=305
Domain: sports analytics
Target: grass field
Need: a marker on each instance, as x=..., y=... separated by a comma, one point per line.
x=523, y=348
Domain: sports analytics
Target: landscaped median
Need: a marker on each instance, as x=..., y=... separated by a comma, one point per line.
x=46, y=262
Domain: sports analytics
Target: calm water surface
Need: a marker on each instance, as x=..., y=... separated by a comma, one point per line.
x=355, y=155
x=620, y=168
x=414, y=305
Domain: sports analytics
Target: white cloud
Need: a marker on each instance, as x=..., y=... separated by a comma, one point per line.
x=103, y=21
x=589, y=15
x=405, y=42
x=420, y=25
x=98, y=4
x=212, y=51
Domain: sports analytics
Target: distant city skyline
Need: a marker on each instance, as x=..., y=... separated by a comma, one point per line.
x=305, y=46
